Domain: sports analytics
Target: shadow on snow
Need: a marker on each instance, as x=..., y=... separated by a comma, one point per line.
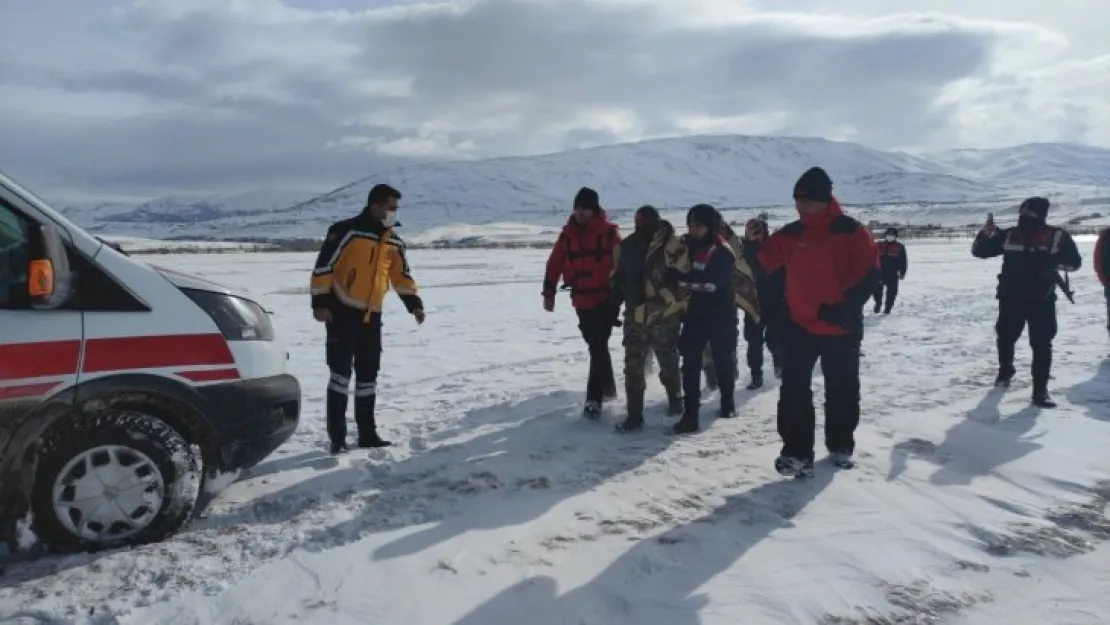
x=975, y=446
x=667, y=569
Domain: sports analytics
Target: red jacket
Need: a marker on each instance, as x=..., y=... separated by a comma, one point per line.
x=829, y=259
x=1102, y=257
x=583, y=257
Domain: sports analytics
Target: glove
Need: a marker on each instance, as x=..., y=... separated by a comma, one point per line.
x=901, y=276
x=549, y=302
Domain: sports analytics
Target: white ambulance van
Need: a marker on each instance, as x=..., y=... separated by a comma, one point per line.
x=123, y=386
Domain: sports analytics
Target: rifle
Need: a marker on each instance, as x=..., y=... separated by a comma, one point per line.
x=1065, y=286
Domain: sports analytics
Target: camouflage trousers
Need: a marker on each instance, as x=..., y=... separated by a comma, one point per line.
x=640, y=342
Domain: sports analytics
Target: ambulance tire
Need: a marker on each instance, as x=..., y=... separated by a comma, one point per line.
x=150, y=445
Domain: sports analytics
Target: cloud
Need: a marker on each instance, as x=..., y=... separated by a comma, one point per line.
x=158, y=96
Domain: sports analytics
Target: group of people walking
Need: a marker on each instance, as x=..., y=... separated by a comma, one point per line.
x=801, y=291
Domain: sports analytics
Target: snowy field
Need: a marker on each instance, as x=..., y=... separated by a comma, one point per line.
x=499, y=505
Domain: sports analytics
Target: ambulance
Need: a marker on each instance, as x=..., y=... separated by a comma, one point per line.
x=124, y=386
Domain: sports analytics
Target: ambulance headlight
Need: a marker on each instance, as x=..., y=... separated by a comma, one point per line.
x=239, y=319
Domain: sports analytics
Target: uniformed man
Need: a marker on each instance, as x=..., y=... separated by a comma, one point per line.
x=1032, y=254
x=360, y=259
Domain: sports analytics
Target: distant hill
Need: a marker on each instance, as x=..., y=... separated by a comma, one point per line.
x=728, y=171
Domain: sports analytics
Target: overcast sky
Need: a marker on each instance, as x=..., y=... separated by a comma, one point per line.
x=133, y=98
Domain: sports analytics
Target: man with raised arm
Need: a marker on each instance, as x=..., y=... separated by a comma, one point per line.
x=1032, y=254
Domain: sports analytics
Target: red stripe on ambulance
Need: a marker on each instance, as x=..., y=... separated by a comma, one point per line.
x=39, y=360
x=47, y=359
x=210, y=375
x=24, y=391
x=156, y=352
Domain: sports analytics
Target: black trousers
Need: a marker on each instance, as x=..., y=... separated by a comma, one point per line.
x=839, y=356
x=353, y=345
x=596, y=325
x=757, y=335
x=1040, y=315
x=721, y=334
x=890, y=284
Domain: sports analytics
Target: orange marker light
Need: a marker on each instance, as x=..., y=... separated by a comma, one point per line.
x=40, y=278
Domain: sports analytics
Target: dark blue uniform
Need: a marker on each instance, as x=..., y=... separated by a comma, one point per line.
x=1032, y=253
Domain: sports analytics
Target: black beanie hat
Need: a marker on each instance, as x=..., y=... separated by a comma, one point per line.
x=587, y=198
x=647, y=215
x=705, y=215
x=1038, y=205
x=814, y=184
x=892, y=230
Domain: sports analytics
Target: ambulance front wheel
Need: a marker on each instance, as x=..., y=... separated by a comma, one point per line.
x=115, y=479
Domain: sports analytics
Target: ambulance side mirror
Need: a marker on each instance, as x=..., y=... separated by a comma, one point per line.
x=49, y=279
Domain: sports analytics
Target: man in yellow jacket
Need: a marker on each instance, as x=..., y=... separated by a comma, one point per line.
x=360, y=260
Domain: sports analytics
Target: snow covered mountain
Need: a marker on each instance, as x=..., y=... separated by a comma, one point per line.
x=166, y=217
x=729, y=171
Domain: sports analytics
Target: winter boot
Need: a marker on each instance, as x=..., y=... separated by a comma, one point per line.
x=728, y=404
x=364, y=419
x=592, y=410
x=842, y=459
x=338, y=447
x=635, y=419
x=631, y=423
x=788, y=466
x=688, y=424
x=1005, y=375
x=1043, y=400
x=757, y=381
x=371, y=440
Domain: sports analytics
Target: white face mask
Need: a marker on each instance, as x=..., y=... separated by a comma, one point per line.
x=390, y=219
x=890, y=238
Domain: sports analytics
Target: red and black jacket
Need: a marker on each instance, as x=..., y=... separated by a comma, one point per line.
x=892, y=259
x=583, y=257
x=1102, y=257
x=832, y=267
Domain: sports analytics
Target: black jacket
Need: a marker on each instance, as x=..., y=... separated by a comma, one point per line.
x=1030, y=259
x=709, y=282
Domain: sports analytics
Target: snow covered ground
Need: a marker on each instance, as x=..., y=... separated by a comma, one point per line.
x=499, y=505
